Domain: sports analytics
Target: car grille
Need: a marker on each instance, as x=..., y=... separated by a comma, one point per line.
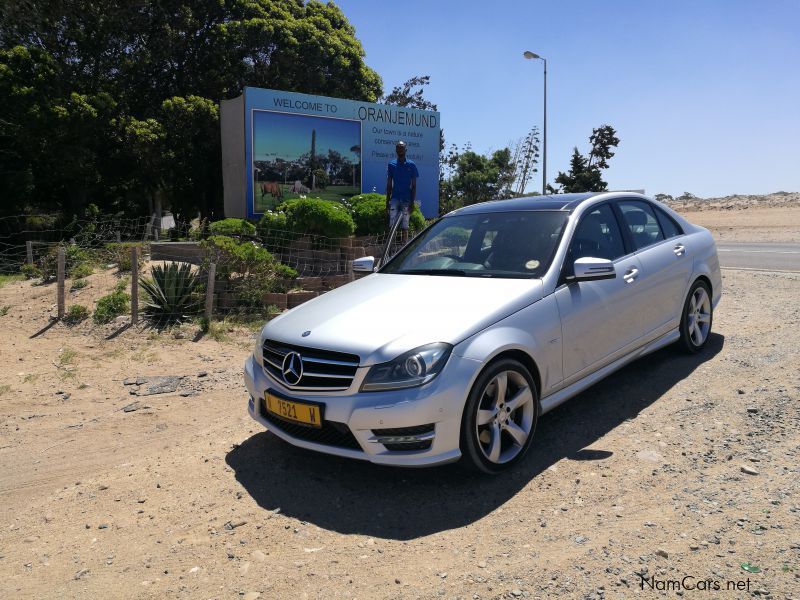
x=330, y=434
x=323, y=370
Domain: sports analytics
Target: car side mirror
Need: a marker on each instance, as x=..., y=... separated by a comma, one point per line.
x=589, y=268
x=364, y=265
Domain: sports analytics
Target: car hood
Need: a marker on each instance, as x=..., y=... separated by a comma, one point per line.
x=383, y=315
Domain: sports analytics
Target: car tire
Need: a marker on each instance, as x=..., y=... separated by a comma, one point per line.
x=492, y=427
x=696, y=318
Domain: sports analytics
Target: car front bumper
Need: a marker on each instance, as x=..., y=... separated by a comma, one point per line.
x=440, y=402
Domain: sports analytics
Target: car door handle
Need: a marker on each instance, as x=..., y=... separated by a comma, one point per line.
x=630, y=275
x=679, y=250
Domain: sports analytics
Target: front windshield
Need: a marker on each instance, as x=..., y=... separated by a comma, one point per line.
x=507, y=244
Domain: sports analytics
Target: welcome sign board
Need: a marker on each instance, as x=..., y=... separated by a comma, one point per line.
x=281, y=145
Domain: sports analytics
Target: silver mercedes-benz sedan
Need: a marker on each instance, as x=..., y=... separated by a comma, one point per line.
x=492, y=316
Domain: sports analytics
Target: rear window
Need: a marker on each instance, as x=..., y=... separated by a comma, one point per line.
x=668, y=225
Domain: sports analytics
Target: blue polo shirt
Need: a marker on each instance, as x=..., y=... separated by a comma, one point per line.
x=402, y=172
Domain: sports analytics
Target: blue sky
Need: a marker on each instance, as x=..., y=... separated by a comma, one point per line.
x=288, y=136
x=704, y=94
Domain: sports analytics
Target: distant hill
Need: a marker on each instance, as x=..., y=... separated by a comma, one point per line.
x=735, y=202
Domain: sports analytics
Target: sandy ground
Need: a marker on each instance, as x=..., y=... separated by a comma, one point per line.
x=749, y=225
x=639, y=479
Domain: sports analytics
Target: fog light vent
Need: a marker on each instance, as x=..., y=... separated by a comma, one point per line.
x=397, y=439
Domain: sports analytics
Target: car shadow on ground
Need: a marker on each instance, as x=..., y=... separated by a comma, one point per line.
x=351, y=496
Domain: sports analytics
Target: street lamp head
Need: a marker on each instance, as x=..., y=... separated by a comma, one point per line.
x=529, y=54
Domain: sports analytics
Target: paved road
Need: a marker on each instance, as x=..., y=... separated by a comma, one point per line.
x=772, y=257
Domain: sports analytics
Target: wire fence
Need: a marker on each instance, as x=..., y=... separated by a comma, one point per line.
x=182, y=277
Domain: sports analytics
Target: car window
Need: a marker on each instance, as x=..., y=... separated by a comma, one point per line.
x=668, y=225
x=597, y=235
x=502, y=244
x=641, y=222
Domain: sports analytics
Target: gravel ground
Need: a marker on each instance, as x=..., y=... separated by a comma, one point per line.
x=675, y=469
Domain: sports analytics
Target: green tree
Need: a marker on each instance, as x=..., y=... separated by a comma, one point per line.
x=80, y=80
x=584, y=173
x=478, y=178
x=411, y=94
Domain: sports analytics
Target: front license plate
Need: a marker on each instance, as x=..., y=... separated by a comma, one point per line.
x=298, y=412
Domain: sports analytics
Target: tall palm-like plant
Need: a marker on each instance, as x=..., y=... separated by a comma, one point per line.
x=170, y=292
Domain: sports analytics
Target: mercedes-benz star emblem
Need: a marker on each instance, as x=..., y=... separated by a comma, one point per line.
x=292, y=368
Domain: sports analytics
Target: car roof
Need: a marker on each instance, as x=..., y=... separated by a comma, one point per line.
x=565, y=202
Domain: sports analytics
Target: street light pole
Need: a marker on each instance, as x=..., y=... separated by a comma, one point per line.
x=532, y=55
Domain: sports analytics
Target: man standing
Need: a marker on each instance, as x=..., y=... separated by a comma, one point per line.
x=401, y=189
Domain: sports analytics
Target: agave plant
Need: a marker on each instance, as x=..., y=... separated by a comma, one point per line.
x=170, y=292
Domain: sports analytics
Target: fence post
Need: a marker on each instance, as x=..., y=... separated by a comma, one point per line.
x=118, y=236
x=62, y=258
x=212, y=274
x=134, y=285
x=29, y=248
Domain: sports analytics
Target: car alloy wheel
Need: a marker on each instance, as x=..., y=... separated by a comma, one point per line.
x=697, y=317
x=502, y=412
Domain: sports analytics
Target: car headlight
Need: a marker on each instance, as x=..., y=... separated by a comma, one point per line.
x=417, y=367
x=257, y=349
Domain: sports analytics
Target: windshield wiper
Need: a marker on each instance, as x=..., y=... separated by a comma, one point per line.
x=456, y=272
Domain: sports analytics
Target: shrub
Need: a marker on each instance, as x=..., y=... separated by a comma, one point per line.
x=122, y=284
x=120, y=253
x=171, y=292
x=199, y=232
x=416, y=221
x=233, y=256
x=78, y=284
x=232, y=227
x=30, y=271
x=370, y=216
x=247, y=267
x=75, y=314
x=110, y=307
x=79, y=271
x=359, y=198
x=319, y=217
x=48, y=265
x=273, y=230
x=76, y=256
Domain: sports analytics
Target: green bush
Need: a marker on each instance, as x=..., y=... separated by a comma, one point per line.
x=233, y=256
x=75, y=256
x=232, y=227
x=120, y=254
x=273, y=230
x=48, y=265
x=80, y=270
x=75, y=314
x=369, y=215
x=110, y=307
x=359, y=198
x=319, y=217
x=247, y=267
x=78, y=284
x=30, y=271
x=171, y=292
x=416, y=220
